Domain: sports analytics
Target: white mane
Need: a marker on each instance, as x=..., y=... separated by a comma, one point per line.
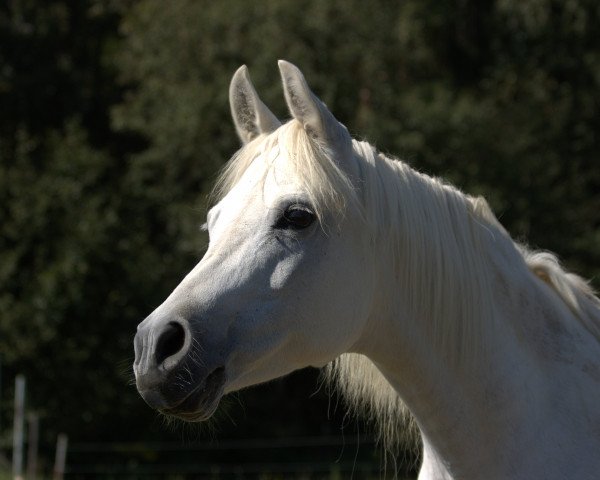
x=440, y=241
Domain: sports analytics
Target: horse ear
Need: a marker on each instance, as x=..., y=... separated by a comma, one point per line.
x=306, y=107
x=250, y=115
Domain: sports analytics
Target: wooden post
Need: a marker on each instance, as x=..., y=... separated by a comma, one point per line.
x=18, y=427
x=33, y=434
x=0, y=398
x=61, y=456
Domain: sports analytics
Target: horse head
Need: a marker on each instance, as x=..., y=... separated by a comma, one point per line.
x=281, y=285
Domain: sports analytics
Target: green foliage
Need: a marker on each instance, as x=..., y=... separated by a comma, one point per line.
x=500, y=98
x=114, y=120
x=84, y=255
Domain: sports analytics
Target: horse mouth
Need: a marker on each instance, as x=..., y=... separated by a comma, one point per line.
x=201, y=402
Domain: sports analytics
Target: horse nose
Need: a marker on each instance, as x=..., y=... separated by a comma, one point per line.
x=159, y=349
x=169, y=346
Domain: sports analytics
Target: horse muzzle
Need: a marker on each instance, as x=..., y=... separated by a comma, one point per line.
x=171, y=375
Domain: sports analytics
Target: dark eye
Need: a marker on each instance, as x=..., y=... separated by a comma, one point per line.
x=297, y=217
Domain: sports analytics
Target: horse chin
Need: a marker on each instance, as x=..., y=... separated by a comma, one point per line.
x=201, y=402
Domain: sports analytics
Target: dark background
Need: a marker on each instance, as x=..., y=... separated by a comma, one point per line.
x=114, y=120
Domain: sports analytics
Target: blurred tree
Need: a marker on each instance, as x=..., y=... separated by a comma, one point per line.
x=500, y=97
x=67, y=319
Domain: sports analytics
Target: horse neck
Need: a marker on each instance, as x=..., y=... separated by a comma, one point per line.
x=439, y=250
x=448, y=333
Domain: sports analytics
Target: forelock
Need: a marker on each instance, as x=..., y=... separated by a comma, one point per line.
x=315, y=168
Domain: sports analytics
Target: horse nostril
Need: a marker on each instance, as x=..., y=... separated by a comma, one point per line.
x=170, y=342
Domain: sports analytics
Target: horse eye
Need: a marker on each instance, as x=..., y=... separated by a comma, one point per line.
x=297, y=217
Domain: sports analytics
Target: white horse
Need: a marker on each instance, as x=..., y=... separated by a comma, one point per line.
x=324, y=251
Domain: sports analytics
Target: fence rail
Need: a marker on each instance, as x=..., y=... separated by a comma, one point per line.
x=307, y=458
x=246, y=443
x=328, y=457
